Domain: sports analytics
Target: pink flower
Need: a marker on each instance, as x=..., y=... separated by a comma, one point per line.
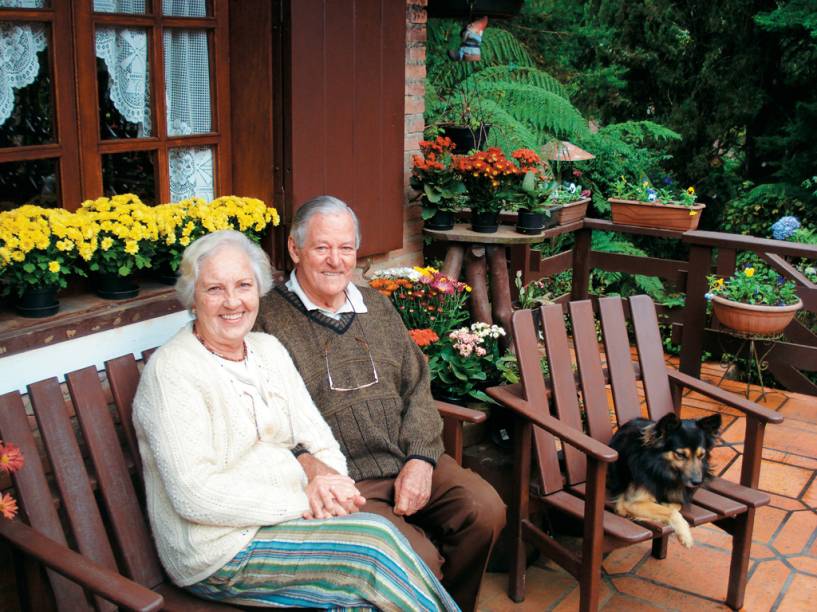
x=8, y=506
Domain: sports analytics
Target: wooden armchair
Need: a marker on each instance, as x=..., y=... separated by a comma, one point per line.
x=103, y=549
x=578, y=490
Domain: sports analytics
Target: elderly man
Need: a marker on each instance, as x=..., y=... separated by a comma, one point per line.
x=371, y=383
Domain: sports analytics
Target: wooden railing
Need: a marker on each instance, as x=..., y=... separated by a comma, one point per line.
x=709, y=252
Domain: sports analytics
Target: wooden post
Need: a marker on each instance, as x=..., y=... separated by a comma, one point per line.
x=453, y=260
x=476, y=276
x=501, y=292
x=692, y=336
x=581, y=265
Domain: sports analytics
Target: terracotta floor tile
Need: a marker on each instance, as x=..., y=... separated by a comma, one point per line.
x=619, y=603
x=765, y=584
x=800, y=408
x=625, y=559
x=696, y=400
x=810, y=496
x=804, y=564
x=712, y=536
x=721, y=457
x=795, y=533
x=544, y=588
x=785, y=503
x=700, y=569
x=788, y=480
x=790, y=458
x=666, y=597
x=767, y=520
x=801, y=594
x=571, y=602
x=761, y=552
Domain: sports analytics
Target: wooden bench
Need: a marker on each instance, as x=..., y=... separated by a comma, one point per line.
x=81, y=498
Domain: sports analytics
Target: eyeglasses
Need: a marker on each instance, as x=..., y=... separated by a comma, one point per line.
x=371, y=360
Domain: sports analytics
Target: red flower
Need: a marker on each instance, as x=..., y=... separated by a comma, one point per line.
x=8, y=506
x=423, y=337
x=11, y=459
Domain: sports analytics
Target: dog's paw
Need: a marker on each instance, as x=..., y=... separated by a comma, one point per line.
x=682, y=530
x=685, y=538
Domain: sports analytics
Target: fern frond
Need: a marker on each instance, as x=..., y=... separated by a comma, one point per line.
x=516, y=74
x=502, y=47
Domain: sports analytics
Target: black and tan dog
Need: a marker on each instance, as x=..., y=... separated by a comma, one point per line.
x=659, y=466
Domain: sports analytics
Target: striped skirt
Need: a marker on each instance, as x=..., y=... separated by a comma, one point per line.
x=358, y=561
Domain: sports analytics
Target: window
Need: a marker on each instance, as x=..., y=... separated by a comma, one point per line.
x=134, y=99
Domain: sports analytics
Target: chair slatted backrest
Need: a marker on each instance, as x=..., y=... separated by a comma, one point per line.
x=123, y=378
x=651, y=356
x=35, y=496
x=619, y=359
x=533, y=386
x=127, y=521
x=71, y=476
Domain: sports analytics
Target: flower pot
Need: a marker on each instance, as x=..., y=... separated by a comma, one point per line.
x=658, y=216
x=465, y=137
x=754, y=319
x=574, y=211
x=164, y=274
x=473, y=8
x=442, y=220
x=485, y=222
x=528, y=222
x=115, y=287
x=37, y=302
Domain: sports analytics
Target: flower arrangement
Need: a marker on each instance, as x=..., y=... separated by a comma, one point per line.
x=126, y=233
x=464, y=362
x=11, y=460
x=247, y=215
x=754, y=286
x=565, y=193
x=644, y=191
x=525, y=188
x=40, y=248
x=483, y=173
x=425, y=298
x=434, y=177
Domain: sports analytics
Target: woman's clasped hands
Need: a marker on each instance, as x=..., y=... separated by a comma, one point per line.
x=332, y=495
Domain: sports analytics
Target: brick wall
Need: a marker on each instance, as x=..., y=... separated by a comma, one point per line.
x=412, y=251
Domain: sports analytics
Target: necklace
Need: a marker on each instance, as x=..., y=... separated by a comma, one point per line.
x=216, y=353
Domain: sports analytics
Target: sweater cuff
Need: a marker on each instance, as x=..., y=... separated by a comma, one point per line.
x=422, y=458
x=298, y=450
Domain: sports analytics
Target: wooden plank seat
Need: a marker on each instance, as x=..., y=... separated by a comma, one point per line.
x=82, y=501
x=570, y=435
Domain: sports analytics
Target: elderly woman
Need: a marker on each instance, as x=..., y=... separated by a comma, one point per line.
x=218, y=413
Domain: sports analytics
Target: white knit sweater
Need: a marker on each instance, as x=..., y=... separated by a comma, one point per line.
x=210, y=483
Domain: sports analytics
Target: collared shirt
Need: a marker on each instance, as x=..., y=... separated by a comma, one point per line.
x=353, y=303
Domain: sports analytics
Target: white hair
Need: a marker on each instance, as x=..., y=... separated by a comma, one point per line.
x=207, y=246
x=322, y=205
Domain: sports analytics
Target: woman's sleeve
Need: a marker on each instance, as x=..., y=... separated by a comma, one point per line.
x=171, y=414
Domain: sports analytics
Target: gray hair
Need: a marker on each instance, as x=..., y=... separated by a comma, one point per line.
x=208, y=245
x=322, y=205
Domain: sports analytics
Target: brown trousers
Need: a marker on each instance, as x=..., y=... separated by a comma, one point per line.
x=455, y=531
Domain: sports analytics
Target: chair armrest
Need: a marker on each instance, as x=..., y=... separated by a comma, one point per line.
x=90, y=575
x=746, y=406
x=574, y=437
x=460, y=413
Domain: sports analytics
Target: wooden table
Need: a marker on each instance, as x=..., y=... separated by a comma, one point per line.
x=481, y=254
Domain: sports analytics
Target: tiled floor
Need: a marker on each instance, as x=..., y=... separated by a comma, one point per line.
x=783, y=566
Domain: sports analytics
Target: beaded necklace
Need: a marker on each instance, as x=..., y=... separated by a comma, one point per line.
x=216, y=353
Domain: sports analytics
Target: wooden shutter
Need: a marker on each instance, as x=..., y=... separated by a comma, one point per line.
x=346, y=99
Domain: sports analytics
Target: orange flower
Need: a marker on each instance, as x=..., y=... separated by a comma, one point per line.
x=11, y=459
x=423, y=337
x=8, y=506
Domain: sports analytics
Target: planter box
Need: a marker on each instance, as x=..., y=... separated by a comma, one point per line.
x=754, y=319
x=568, y=213
x=658, y=216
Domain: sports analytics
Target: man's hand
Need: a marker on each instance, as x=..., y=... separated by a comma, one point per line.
x=329, y=493
x=412, y=487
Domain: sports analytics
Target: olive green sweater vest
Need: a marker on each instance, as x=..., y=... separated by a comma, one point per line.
x=378, y=427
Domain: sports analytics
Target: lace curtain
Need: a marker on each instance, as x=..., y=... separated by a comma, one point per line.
x=187, y=84
x=19, y=45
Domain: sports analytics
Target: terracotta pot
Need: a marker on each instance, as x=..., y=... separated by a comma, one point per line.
x=658, y=216
x=754, y=319
x=574, y=211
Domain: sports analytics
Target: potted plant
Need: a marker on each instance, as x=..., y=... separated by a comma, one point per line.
x=524, y=191
x=568, y=201
x=40, y=248
x=483, y=173
x=440, y=187
x=643, y=205
x=127, y=235
x=754, y=301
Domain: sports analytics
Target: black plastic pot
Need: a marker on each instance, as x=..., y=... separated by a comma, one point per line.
x=528, y=222
x=38, y=303
x=165, y=275
x=441, y=221
x=465, y=137
x=485, y=222
x=115, y=287
x=474, y=8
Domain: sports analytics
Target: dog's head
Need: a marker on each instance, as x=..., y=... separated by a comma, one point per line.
x=685, y=445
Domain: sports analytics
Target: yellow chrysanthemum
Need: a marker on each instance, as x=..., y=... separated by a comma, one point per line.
x=107, y=243
x=54, y=266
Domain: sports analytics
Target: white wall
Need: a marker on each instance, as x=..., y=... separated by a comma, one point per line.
x=16, y=371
